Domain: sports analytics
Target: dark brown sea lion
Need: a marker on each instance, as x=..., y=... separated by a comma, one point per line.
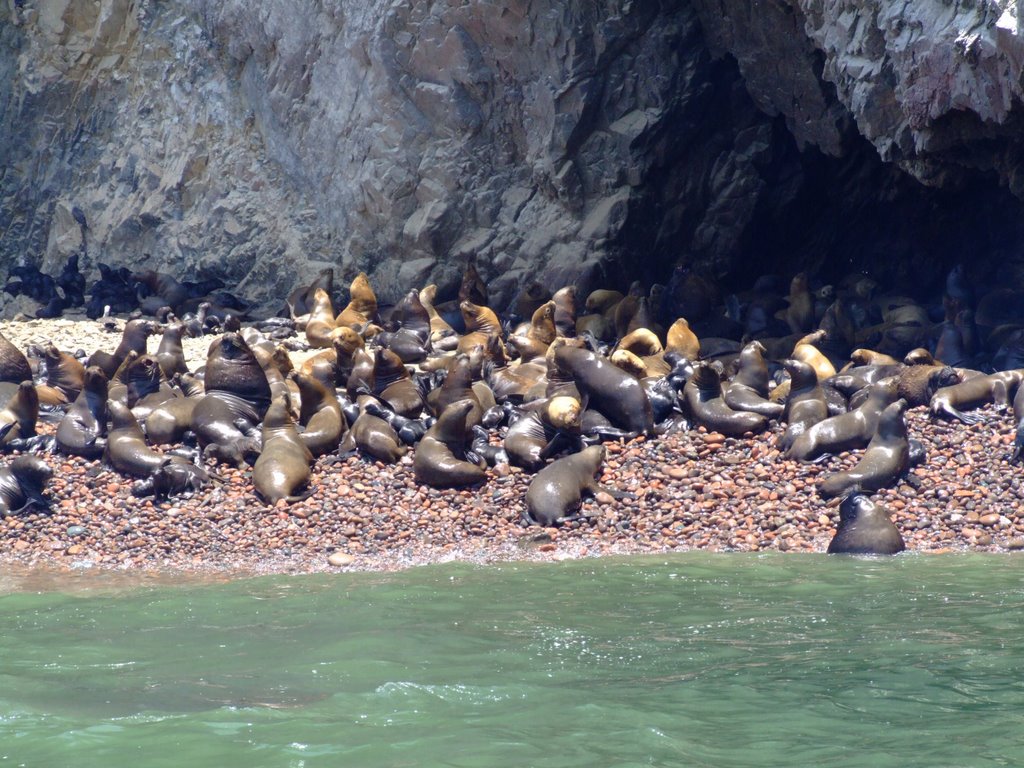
x=236, y=389
x=608, y=389
x=14, y=366
x=472, y=288
x=133, y=339
x=170, y=353
x=457, y=385
x=64, y=377
x=532, y=438
x=320, y=414
x=393, y=384
x=282, y=470
x=864, y=528
x=999, y=388
x=848, y=431
x=83, y=430
x=918, y=383
x=362, y=305
x=18, y=417
x=702, y=397
x=440, y=459
x=885, y=461
x=556, y=492
x=748, y=389
x=128, y=453
x=565, y=310
x=805, y=404
x=21, y=484
x=164, y=289
x=800, y=313
x=375, y=437
x=602, y=300
x=530, y=298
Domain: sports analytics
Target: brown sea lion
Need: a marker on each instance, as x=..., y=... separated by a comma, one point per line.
x=805, y=404
x=236, y=390
x=800, y=313
x=393, y=384
x=320, y=323
x=848, y=431
x=170, y=353
x=864, y=528
x=619, y=396
x=530, y=298
x=375, y=437
x=602, y=300
x=282, y=470
x=65, y=376
x=482, y=326
x=83, y=430
x=806, y=351
x=472, y=288
x=320, y=414
x=534, y=436
x=164, y=289
x=300, y=300
x=885, y=461
x=362, y=305
x=998, y=388
x=748, y=388
x=168, y=422
x=440, y=459
x=918, y=383
x=21, y=484
x=556, y=493
x=133, y=339
x=14, y=366
x=457, y=385
x=703, y=400
x=565, y=310
x=439, y=327
x=19, y=415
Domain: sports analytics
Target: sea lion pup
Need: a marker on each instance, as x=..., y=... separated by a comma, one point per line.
x=918, y=383
x=999, y=388
x=885, y=461
x=848, y=431
x=128, y=453
x=800, y=312
x=539, y=432
x=805, y=404
x=619, y=396
x=236, y=389
x=320, y=414
x=374, y=436
x=18, y=417
x=806, y=351
x=748, y=389
x=320, y=321
x=83, y=430
x=864, y=528
x=556, y=492
x=282, y=470
x=133, y=339
x=300, y=300
x=440, y=458
x=681, y=340
x=21, y=484
x=565, y=310
x=362, y=304
x=65, y=376
x=702, y=397
x=168, y=422
x=14, y=366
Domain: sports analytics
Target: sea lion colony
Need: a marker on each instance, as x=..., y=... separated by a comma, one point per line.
x=838, y=366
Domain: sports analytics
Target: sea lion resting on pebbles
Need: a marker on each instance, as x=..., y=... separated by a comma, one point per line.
x=440, y=456
x=21, y=484
x=82, y=431
x=886, y=459
x=282, y=469
x=557, y=491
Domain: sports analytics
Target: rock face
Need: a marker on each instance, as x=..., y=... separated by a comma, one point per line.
x=258, y=140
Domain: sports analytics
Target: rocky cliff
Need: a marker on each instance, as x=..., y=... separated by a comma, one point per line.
x=258, y=140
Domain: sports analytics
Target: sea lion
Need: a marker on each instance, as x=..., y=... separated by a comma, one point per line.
x=681, y=340
x=439, y=327
x=163, y=289
x=457, y=385
x=472, y=288
x=18, y=417
x=320, y=323
x=999, y=388
x=21, y=484
x=886, y=459
x=530, y=298
x=703, y=400
x=128, y=453
x=482, y=326
x=133, y=339
x=918, y=383
x=748, y=389
x=64, y=377
x=806, y=350
x=805, y=404
x=82, y=431
x=565, y=310
x=362, y=305
x=168, y=422
x=170, y=353
x=375, y=437
x=282, y=470
x=864, y=528
x=300, y=300
x=440, y=459
x=14, y=366
x=848, y=431
x=537, y=434
x=394, y=385
x=556, y=492
x=608, y=389
x=236, y=389
x=800, y=313
x=320, y=414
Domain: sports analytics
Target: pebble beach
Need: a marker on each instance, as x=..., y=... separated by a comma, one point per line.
x=691, y=490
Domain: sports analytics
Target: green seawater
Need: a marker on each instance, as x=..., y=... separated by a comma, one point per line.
x=688, y=660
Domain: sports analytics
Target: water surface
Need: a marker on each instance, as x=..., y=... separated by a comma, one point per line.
x=689, y=660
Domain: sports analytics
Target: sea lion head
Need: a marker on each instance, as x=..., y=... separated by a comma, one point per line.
x=854, y=503
x=95, y=380
x=346, y=341
x=564, y=412
x=32, y=472
x=891, y=423
x=802, y=375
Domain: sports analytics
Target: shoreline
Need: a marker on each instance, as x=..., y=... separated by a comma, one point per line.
x=694, y=491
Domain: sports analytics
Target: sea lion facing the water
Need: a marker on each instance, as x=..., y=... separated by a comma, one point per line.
x=556, y=492
x=864, y=528
x=885, y=461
